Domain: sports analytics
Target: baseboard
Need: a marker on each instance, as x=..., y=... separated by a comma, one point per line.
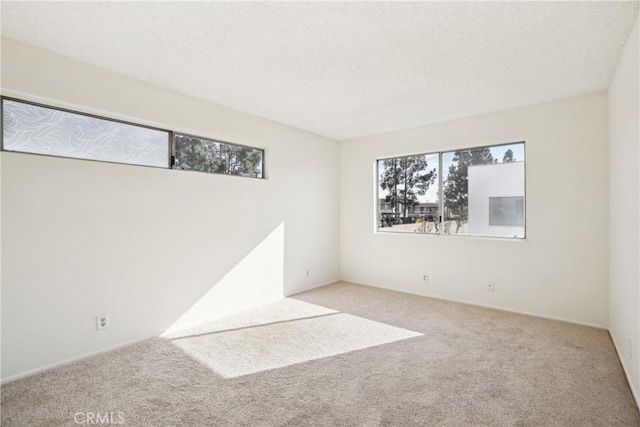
x=634, y=392
x=493, y=307
x=309, y=288
x=71, y=360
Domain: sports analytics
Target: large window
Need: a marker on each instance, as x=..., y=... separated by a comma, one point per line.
x=205, y=155
x=478, y=191
x=39, y=129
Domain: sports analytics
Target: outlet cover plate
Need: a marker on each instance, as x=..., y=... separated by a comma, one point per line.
x=102, y=321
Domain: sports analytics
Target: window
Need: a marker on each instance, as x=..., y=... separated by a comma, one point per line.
x=203, y=155
x=38, y=129
x=507, y=211
x=478, y=191
x=30, y=128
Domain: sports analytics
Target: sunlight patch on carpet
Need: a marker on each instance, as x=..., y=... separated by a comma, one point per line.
x=249, y=350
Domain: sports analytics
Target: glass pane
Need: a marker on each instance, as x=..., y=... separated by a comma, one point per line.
x=506, y=211
x=472, y=178
x=408, y=194
x=204, y=155
x=30, y=128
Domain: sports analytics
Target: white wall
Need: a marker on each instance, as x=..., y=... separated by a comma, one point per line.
x=559, y=271
x=493, y=180
x=624, y=279
x=152, y=247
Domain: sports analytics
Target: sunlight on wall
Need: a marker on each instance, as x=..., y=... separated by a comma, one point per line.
x=258, y=278
x=279, y=334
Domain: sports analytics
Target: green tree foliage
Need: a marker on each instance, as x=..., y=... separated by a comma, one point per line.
x=456, y=186
x=389, y=181
x=217, y=157
x=508, y=156
x=405, y=179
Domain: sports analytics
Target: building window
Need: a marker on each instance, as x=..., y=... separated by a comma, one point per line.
x=204, y=155
x=506, y=211
x=32, y=128
x=477, y=191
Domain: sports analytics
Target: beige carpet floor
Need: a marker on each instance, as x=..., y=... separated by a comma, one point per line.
x=344, y=355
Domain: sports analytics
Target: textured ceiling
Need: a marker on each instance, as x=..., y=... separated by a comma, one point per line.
x=343, y=70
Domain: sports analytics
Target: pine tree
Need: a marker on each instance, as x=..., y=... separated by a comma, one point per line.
x=508, y=156
x=405, y=179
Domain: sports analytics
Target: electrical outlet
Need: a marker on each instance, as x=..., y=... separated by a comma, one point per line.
x=102, y=321
x=491, y=286
x=425, y=278
x=307, y=273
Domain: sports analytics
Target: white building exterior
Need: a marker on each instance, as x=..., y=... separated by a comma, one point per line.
x=496, y=199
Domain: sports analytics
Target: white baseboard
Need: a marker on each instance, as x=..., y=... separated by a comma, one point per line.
x=311, y=287
x=627, y=374
x=71, y=360
x=493, y=307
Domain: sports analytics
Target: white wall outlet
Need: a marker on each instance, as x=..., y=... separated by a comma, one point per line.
x=307, y=273
x=425, y=278
x=102, y=321
x=630, y=342
x=491, y=286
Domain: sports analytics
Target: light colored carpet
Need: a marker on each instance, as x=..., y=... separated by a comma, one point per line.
x=469, y=367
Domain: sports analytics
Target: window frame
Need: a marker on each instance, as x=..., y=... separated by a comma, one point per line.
x=441, y=207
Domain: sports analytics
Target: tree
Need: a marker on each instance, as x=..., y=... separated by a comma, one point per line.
x=456, y=186
x=390, y=180
x=481, y=156
x=405, y=179
x=237, y=160
x=508, y=156
x=217, y=157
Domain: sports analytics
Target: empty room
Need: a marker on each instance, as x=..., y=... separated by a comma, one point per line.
x=320, y=213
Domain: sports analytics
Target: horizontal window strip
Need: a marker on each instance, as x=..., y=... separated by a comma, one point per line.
x=33, y=128
x=205, y=155
x=30, y=128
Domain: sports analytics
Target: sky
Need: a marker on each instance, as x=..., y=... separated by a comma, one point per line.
x=447, y=157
